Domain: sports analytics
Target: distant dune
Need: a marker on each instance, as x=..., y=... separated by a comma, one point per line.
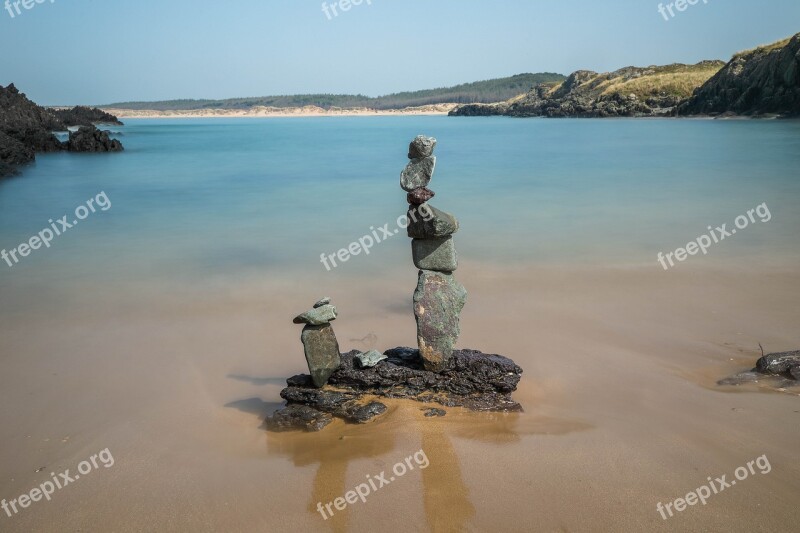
x=263, y=111
x=495, y=90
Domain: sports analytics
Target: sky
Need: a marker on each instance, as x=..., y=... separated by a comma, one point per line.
x=67, y=52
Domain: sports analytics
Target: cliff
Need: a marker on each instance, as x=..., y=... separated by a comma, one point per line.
x=763, y=81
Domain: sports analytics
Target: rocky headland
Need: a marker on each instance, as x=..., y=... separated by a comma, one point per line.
x=628, y=92
x=27, y=129
x=760, y=82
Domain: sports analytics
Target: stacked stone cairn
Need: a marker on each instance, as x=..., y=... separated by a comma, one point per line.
x=345, y=386
x=319, y=341
x=439, y=298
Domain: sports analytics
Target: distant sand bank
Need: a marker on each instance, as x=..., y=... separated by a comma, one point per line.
x=261, y=111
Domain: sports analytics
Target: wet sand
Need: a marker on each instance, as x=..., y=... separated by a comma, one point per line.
x=621, y=407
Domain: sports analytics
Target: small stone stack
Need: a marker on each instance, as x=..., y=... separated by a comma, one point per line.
x=319, y=341
x=439, y=298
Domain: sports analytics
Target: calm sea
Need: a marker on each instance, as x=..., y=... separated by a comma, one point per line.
x=192, y=200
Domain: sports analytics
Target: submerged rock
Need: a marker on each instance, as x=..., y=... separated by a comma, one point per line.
x=779, y=363
x=90, y=139
x=322, y=352
x=781, y=370
x=433, y=411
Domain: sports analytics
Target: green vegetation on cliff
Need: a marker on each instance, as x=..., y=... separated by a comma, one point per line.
x=627, y=92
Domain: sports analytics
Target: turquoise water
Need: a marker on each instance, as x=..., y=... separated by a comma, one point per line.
x=195, y=199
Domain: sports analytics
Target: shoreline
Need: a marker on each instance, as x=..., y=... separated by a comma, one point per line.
x=266, y=112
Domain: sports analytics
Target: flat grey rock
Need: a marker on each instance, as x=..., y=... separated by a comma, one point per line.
x=418, y=173
x=437, y=254
x=370, y=358
x=317, y=316
x=324, y=301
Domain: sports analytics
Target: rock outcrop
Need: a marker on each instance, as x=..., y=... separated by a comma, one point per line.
x=762, y=81
x=781, y=370
x=470, y=379
x=27, y=129
x=91, y=139
x=13, y=153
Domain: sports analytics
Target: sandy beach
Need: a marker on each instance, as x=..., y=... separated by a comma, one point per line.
x=621, y=408
x=261, y=111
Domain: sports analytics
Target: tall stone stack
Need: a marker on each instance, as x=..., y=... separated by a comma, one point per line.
x=439, y=298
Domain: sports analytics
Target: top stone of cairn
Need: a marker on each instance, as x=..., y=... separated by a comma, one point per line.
x=421, y=147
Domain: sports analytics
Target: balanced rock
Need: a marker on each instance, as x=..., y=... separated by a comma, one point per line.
x=438, y=302
x=421, y=146
x=427, y=222
x=437, y=254
x=318, y=316
x=420, y=196
x=324, y=301
x=370, y=358
x=322, y=352
x=417, y=173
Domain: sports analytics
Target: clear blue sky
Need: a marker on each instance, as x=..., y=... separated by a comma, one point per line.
x=103, y=51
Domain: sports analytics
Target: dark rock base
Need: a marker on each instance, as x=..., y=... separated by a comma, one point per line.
x=781, y=369
x=472, y=379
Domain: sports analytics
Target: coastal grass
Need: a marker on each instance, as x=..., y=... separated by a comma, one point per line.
x=763, y=49
x=678, y=80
